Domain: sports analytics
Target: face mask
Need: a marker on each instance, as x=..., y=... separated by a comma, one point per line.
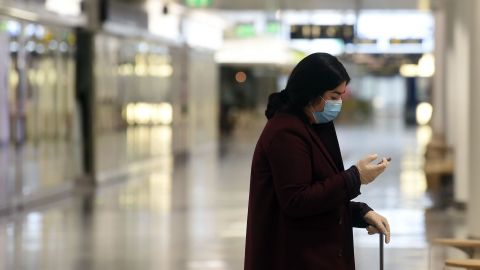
x=330, y=111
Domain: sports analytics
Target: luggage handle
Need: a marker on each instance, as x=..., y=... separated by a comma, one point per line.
x=381, y=251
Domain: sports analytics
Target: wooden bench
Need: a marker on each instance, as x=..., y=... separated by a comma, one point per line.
x=468, y=246
x=465, y=263
x=439, y=164
x=435, y=169
x=438, y=148
x=439, y=175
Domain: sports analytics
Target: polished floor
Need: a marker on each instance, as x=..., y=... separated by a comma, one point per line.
x=191, y=214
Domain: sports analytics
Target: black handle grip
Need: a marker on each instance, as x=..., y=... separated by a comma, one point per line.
x=381, y=251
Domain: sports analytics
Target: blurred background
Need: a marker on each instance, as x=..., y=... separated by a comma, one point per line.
x=127, y=127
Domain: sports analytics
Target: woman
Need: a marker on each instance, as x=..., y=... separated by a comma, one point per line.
x=300, y=213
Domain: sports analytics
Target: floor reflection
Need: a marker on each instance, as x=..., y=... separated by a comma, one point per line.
x=131, y=150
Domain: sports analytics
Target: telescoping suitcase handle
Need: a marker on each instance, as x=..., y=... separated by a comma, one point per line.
x=381, y=251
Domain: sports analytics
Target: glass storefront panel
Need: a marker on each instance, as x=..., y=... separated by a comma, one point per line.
x=42, y=148
x=132, y=104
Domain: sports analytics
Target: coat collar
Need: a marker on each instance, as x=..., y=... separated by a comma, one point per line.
x=301, y=115
x=324, y=151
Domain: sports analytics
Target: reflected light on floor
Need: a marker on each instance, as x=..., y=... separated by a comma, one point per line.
x=138, y=141
x=33, y=222
x=211, y=264
x=34, y=230
x=161, y=141
x=413, y=183
x=161, y=191
x=146, y=140
x=424, y=136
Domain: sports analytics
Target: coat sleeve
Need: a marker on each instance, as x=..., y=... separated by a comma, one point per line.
x=358, y=210
x=289, y=156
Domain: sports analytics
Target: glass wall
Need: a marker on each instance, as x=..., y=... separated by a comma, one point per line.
x=40, y=133
x=133, y=104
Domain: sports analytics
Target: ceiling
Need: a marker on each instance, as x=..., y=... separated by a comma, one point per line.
x=318, y=4
x=302, y=4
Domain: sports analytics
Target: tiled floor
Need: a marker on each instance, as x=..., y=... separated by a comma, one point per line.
x=192, y=214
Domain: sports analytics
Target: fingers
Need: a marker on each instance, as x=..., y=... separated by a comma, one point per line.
x=386, y=161
x=380, y=227
x=383, y=226
x=370, y=171
x=383, y=164
x=371, y=158
x=387, y=226
x=380, y=167
x=372, y=230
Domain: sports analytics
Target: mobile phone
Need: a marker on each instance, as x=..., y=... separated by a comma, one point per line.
x=388, y=159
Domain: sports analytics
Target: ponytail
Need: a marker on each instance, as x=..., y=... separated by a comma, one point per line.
x=276, y=101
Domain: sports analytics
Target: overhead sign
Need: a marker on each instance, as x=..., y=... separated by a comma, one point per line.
x=273, y=27
x=414, y=41
x=245, y=30
x=365, y=41
x=308, y=31
x=198, y=3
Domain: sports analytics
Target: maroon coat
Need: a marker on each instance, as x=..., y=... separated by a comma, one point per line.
x=300, y=216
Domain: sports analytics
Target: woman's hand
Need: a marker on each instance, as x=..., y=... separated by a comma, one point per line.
x=368, y=171
x=378, y=224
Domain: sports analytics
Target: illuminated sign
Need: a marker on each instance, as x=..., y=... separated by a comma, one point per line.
x=365, y=41
x=198, y=3
x=245, y=30
x=273, y=27
x=148, y=113
x=305, y=31
x=64, y=7
x=415, y=41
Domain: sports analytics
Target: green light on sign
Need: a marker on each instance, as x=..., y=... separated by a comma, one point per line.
x=245, y=30
x=273, y=27
x=3, y=26
x=198, y=3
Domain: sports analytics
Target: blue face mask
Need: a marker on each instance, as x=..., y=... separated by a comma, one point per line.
x=330, y=111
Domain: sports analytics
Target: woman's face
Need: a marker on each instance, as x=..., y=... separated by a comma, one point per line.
x=318, y=104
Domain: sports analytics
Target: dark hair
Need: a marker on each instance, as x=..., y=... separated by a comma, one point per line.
x=311, y=78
